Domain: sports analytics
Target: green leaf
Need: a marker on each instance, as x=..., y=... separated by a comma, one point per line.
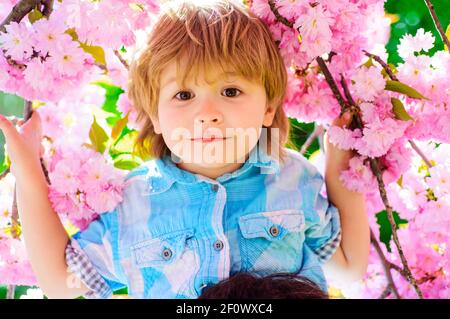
x=126, y=143
x=385, y=226
x=73, y=33
x=118, y=127
x=97, y=52
x=111, y=97
x=299, y=133
x=447, y=34
x=392, y=67
x=368, y=63
x=399, y=87
x=98, y=137
x=34, y=16
x=399, y=110
x=400, y=181
x=127, y=162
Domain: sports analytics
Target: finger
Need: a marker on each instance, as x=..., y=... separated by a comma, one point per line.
x=36, y=118
x=33, y=125
x=7, y=128
x=344, y=120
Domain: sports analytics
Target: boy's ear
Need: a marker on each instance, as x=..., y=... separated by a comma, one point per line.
x=155, y=122
x=269, y=115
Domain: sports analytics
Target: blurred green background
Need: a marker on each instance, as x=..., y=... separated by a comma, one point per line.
x=407, y=17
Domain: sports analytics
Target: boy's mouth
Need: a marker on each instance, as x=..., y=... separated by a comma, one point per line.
x=209, y=139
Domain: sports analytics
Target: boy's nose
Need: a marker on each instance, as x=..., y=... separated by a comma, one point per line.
x=208, y=114
x=203, y=120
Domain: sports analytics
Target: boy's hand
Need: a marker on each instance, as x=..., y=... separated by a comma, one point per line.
x=336, y=158
x=23, y=145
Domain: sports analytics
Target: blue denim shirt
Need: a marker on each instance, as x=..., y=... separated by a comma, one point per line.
x=177, y=232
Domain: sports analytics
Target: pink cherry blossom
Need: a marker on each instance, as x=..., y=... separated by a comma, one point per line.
x=368, y=82
x=17, y=41
x=410, y=44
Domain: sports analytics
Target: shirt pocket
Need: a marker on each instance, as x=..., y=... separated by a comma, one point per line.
x=170, y=262
x=272, y=241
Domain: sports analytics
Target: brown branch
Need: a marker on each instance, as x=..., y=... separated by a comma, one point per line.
x=278, y=16
x=10, y=292
x=437, y=24
x=332, y=84
x=4, y=173
x=386, y=266
x=375, y=166
x=15, y=217
x=48, y=7
x=18, y=12
x=386, y=292
x=421, y=154
x=398, y=269
x=122, y=60
x=318, y=131
x=385, y=66
x=347, y=91
x=27, y=111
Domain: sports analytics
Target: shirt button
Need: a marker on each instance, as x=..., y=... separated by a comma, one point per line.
x=166, y=254
x=274, y=231
x=215, y=188
x=218, y=245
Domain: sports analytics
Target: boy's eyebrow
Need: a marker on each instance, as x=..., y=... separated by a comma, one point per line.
x=222, y=75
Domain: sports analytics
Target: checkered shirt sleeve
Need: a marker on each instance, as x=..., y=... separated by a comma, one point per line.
x=325, y=252
x=79, y=264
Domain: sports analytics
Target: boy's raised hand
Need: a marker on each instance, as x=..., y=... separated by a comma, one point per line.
x=23, y=145
x=336, y=158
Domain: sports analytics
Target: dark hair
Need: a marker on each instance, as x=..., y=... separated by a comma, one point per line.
x=276, y=286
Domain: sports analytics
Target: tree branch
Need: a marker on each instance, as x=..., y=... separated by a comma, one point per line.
x=386, y=266
x=332, y=84
x=121, y=59
x=375, y=166
x=348, y=96
x=10, y=292
x=4, y=173
x=48, y=7
x=278, y=16
x=421, y=154
x=374, y=162
x=318, y=131
x=18, y=12
x=437, y=24
x=386, y=292
x=383, y=64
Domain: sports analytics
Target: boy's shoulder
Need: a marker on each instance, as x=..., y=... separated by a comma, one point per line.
x=149, y=175
x=146, y=169
x=295, y=161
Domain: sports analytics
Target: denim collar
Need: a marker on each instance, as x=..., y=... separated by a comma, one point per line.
x=169, y=172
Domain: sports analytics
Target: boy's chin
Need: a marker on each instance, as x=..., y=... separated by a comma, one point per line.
x=213, y=163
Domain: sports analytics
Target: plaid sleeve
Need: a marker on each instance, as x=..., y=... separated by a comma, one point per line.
x=93, y=256
x=323, y=232
x=78, y=264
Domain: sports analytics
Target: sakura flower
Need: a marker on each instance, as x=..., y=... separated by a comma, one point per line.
x=368, y=83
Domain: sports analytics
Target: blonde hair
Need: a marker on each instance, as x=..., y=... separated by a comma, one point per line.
x=220, y=33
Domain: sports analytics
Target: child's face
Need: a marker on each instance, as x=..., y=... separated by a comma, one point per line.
x=212, y=123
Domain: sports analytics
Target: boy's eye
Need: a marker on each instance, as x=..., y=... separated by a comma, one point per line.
x=184, y=95
x=231, y=92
